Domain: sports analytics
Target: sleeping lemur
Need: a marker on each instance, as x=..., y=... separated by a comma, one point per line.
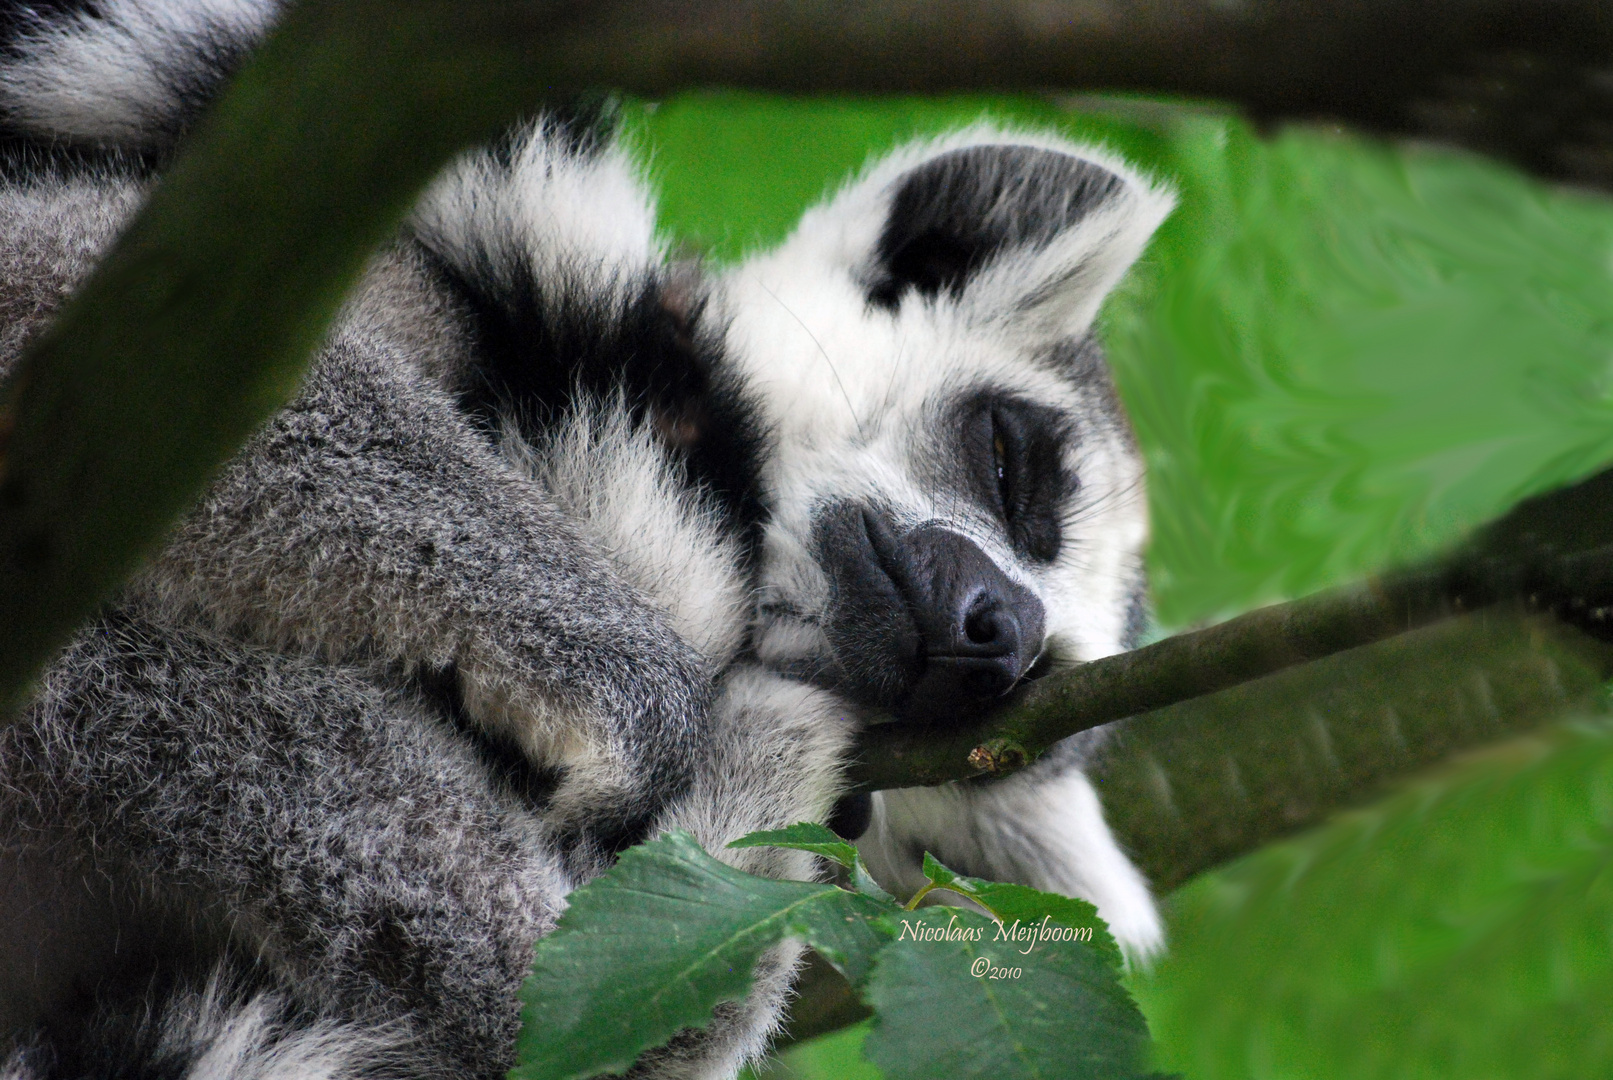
x=562, y=544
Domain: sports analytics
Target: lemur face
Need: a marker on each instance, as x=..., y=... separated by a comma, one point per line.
x=954, y=500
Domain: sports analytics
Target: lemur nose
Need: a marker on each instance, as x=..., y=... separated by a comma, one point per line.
x=980, y=629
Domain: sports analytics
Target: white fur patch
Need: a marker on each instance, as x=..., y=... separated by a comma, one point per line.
x=839, y=235
x=234, y=1040
x=115, y=76
x=615, y=481
x=776, y=749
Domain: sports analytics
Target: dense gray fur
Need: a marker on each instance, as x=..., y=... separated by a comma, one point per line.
x=468, y=615
x=240, y=754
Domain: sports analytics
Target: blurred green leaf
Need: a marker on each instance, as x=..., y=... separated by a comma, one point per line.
x=1463, y=927
x=837, y=1056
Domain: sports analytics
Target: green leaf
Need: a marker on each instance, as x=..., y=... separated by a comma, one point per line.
x=1462, y=928
x=1060, y=1012
x=1020, y=906
x=804, y=836
x=650, y=946
x=820, y=840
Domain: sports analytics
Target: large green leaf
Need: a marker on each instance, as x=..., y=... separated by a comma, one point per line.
x=1463, y=928
x=649, y=947
x=940, y=1012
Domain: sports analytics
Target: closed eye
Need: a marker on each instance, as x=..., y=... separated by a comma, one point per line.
x=999, y=458
x=1022, y=444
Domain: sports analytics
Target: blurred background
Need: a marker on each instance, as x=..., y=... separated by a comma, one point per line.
x=1339, y=355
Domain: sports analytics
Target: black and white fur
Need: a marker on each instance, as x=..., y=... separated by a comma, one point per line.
x=561, y=544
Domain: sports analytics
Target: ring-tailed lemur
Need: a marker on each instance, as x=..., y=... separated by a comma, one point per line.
x=561, y=544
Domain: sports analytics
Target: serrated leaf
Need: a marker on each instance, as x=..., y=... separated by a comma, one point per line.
x=804, y=836
x=820, y=840
x=1020, y=907
x=650, y=946
x=939, y=1013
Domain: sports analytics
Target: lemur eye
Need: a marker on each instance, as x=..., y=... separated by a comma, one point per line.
x=1018, y=448
x=1007, y=465
x=999, y=460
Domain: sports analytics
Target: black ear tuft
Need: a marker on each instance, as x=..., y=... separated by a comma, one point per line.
x=955, y=213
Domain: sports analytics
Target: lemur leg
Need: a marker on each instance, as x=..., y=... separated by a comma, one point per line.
x=776, y=748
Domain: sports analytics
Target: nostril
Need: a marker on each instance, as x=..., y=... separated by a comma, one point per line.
x=983, y=625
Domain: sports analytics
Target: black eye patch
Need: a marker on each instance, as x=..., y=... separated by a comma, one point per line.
x=1013, y=451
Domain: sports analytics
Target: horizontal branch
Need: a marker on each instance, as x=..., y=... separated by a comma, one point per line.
x=1518, y=79
x=1176, y=669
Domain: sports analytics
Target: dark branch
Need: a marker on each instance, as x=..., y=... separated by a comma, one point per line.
x=1524, y=80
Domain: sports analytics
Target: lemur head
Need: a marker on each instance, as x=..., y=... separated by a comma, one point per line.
x=954, y=498
x=901, y=409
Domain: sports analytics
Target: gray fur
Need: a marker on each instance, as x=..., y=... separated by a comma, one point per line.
x=370, y=522
x=416, y=664
x=238, y=749
x=323, y=827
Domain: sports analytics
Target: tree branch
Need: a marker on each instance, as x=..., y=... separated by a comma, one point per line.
x=1194, y=785
x=1524, y=80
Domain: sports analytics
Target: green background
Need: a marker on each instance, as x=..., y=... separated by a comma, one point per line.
x=1337, y=356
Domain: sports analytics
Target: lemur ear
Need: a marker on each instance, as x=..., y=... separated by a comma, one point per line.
x=1000, y=226
x=1035, y=234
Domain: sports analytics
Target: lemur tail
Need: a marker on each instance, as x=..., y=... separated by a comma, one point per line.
x=129, y=75
x=222, y=1034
